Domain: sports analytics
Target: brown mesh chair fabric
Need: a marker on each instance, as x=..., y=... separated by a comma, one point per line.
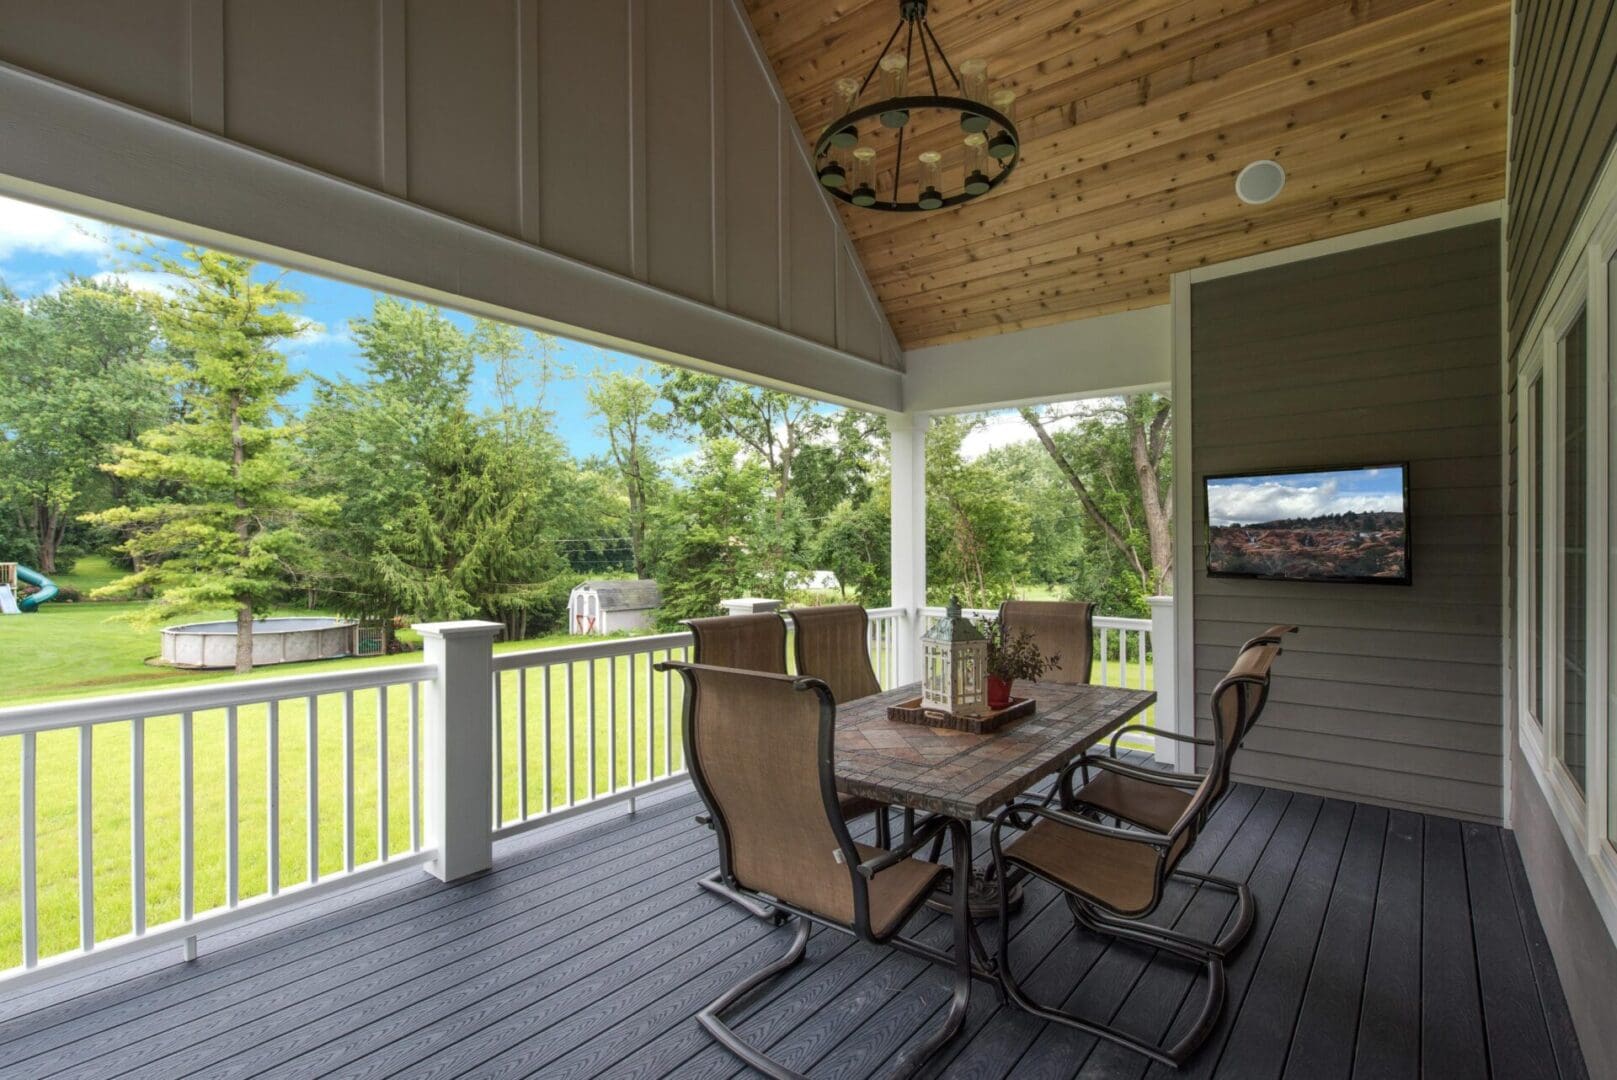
x=832, y=647
x=760, y=748
x=1238, y=700
x=754, y=643
x=1121, y=875
x=1065, y=628
x=744, y=642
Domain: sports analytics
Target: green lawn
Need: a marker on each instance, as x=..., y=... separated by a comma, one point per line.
x=79, y=650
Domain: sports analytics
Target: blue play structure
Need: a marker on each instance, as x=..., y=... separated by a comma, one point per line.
x=45, y=590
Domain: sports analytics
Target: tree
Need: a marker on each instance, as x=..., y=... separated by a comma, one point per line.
x=627, y=407
x=76, y=379
x=855, y=543
x=771, y=425
x=709, y=534
x=976, y=533
x=228, y=536
x=1118, y=463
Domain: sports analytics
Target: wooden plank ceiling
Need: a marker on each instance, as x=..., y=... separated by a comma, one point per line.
x=1135, y=117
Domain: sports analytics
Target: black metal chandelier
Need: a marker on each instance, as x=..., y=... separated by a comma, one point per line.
x=847, y=154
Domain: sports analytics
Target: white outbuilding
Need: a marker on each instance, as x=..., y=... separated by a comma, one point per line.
x=612, y=605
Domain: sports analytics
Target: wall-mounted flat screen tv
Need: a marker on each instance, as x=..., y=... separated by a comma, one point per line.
x=1340, y=524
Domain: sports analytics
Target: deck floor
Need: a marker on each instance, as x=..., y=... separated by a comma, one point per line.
x=1387, y=945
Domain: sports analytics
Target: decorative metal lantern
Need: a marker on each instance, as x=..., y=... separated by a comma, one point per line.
x=954, y=658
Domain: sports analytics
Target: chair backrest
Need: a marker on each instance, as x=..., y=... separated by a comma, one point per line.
x=745, y=642
x=1064, y=628
x=832, y=645
x=1240, y=696
x=760, y=751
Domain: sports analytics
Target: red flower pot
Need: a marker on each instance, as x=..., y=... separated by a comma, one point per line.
x=999, y=692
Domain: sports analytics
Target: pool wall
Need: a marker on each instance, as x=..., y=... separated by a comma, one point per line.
x=275, y=641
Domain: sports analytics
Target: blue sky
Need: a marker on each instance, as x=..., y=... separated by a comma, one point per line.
x=39, y=247
x=1301, y=495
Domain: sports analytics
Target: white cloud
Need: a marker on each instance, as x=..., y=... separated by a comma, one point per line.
x=152, y=281
x=317, y=335
x=1273, y=500
x=26, y=227
x=1006, y=429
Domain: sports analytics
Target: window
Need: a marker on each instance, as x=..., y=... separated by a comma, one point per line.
x=1533, y=494
x=1572, y=731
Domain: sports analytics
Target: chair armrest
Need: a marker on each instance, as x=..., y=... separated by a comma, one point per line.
x=1174, y=735
x=1141, y=836
x=1150, y=776
x=921, y=836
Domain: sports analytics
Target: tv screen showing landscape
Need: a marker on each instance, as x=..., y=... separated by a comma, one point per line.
x=1348, y=524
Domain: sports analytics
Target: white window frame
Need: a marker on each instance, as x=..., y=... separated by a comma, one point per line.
x=1585, y=283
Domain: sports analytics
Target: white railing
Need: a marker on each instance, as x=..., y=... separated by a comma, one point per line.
x=153, y=736
x=389, y=765
x=577, y=727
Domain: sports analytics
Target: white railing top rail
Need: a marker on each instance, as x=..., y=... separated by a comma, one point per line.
x=74, y=712
x=624, y=646
x=1102, y=622
x=602, y=649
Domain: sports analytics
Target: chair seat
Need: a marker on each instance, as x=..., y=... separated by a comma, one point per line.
x=895, y=891
x=1115, y=873
x=1151, y=806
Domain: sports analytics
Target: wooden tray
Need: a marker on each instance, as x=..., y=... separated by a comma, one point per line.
x=911, y=712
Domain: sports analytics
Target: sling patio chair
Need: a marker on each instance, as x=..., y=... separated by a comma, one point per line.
x=761, y=753
x=1112, y=878
x=832, y=644
x=1063, y=628
x=1155, y=799
x=758, y=643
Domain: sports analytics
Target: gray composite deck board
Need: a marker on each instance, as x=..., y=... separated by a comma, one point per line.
x=1386, y=942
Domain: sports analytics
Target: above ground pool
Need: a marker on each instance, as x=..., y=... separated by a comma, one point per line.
x=275, y=641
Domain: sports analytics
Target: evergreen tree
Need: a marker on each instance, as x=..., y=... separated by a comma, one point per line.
x=228, y=536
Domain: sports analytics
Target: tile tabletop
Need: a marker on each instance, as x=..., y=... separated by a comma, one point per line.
x=968, y=776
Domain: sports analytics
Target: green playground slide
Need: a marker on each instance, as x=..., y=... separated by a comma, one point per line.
x=47, y=588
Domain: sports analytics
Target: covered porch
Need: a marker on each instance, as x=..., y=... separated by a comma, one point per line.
x=1426, y=817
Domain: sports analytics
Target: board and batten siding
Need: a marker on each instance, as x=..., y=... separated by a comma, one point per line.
x=1377, y=355
x=646, y=138
x=1563, y=121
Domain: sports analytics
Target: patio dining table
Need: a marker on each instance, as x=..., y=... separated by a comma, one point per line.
x=966, y=776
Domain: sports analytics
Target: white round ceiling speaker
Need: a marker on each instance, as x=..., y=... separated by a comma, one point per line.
x=1260, y=182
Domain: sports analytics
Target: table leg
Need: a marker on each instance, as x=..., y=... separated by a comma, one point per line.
x=982, y=895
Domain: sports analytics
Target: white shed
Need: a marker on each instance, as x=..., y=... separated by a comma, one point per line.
x=612, y=605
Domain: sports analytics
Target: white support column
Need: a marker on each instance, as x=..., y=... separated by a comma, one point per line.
x=908, y=553
x=457, y=746
x=1164, y=666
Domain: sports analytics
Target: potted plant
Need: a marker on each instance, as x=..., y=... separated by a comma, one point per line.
x=1012, y=657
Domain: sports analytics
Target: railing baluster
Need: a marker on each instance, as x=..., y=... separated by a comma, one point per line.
x=30, y=892
x=567, y=708
x=188, y=842
x=629, y=662
x=612, y=725
x=1105, y=665
x=137, y=826
x=348, y=780
x=544, y=742
x=589, y=725
x=232, y=841
x=522, y=744
x=86, y=839
x=668, y=717
x=383, y=846
x=311, y=768
x=414, y=739
x=272, y=798
x=498, y=720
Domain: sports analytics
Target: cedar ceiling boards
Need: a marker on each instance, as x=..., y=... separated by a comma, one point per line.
x=1135, y=117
